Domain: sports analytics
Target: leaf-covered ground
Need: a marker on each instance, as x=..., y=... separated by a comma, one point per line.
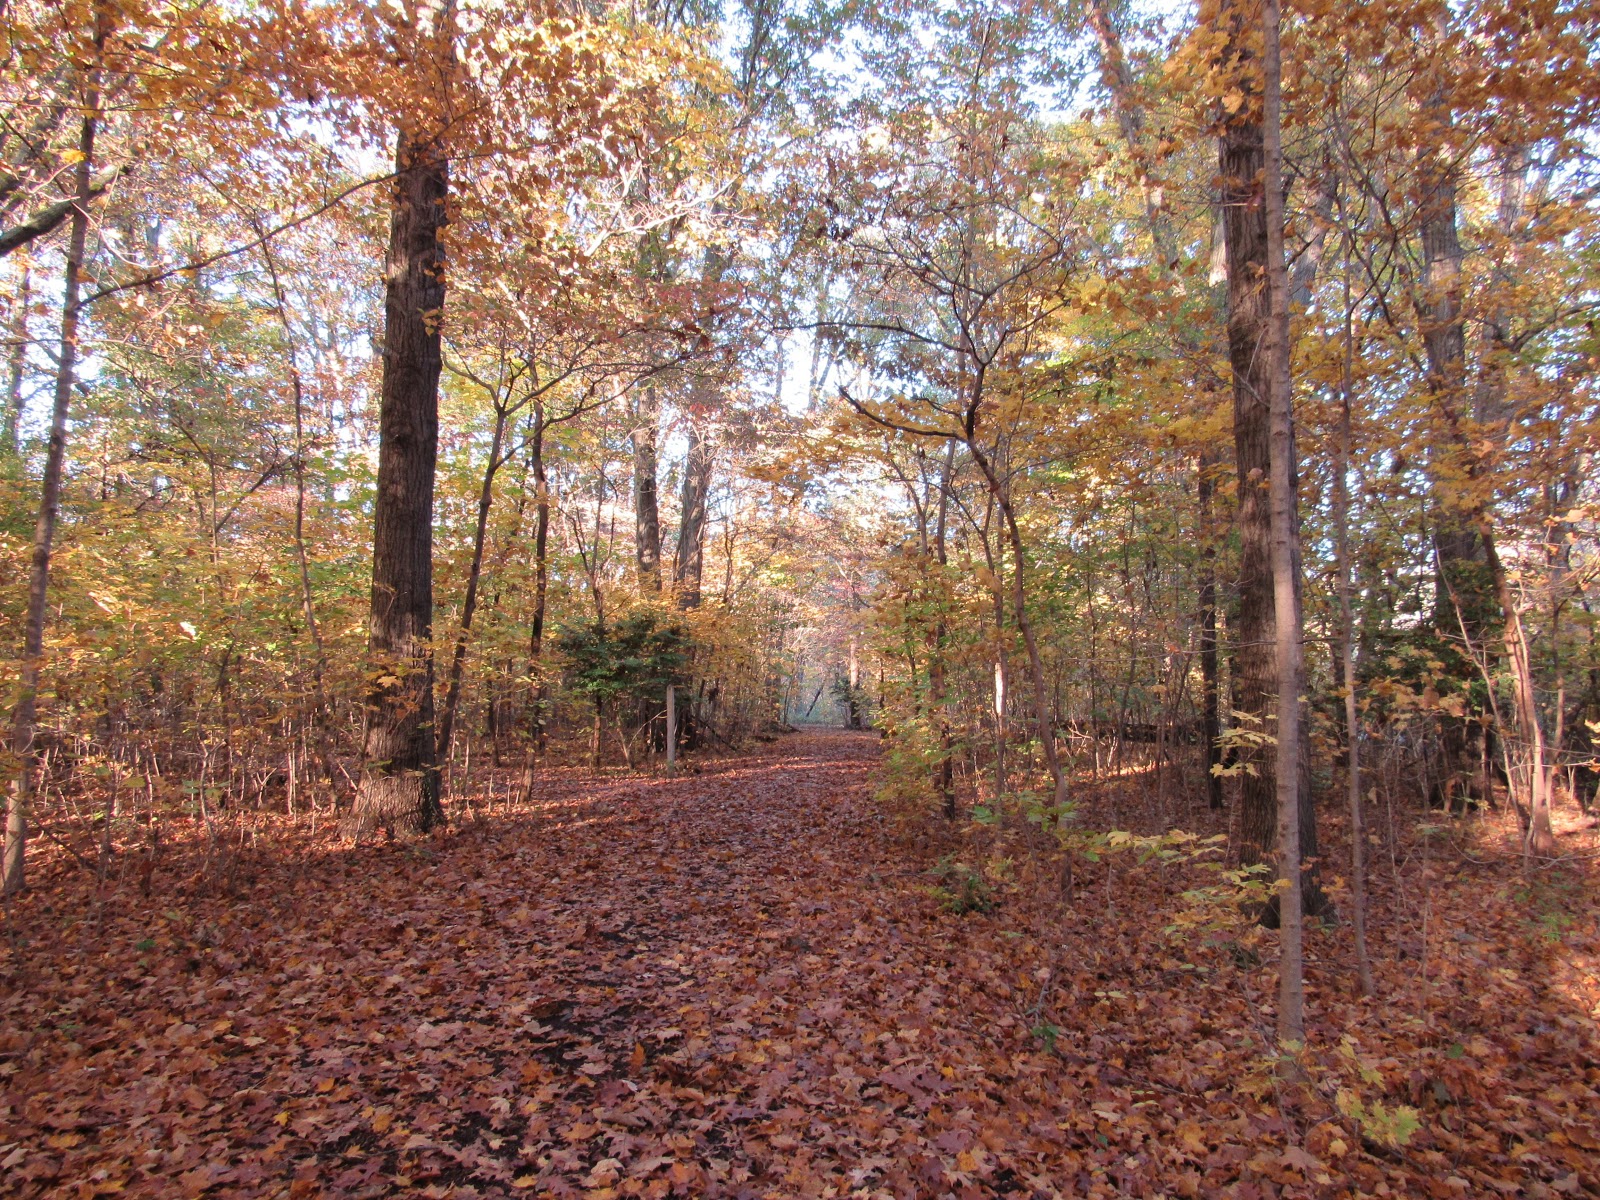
x=740, y=983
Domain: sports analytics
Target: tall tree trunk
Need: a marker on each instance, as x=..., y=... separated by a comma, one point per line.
x=541, y=589
x=469, y=602
x=400, y=775
x=19, y=360
x=1464, y=594
x=646, y=509
x=1241, y=167
x=938, y=686
x=1347, y=651
x=1531, y=763
x=690, y=557
x=24, y=724
x=1285, y=556
x=1210, y=709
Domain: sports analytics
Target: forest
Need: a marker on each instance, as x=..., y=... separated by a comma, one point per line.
x=799, y=598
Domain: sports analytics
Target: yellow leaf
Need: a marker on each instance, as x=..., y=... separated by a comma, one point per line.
x=1233, y=101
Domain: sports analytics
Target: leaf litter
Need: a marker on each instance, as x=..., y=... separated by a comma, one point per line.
x=740, y=983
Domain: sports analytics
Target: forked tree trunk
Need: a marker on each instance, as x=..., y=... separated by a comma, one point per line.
x=24, y=731
x=1530, y=774
x=400, y=777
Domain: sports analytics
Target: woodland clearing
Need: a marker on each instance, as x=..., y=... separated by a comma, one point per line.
x=741, y=982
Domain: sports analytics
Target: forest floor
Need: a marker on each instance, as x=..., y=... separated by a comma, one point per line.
x=742, y=982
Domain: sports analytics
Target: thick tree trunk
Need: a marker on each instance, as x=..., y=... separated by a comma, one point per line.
x=646, y=509
x=690, y=558
x=1464, y=592
x=1463, y=580
x=400, y=777
x=1241, y=167
x=24, y=731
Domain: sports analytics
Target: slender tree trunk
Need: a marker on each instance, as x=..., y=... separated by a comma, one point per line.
x=24, y=725
x=1210, y=711
x=1019, y=613
x=469, y=602
x=852, y=702
x=938, y=686
x=19, y=359
x=996, y=565
x=646, y=509
x=400, y=775
x=1285, y=560
x=1532, y=763
x=1347, y=657
x=297, y=386
x=541, y=587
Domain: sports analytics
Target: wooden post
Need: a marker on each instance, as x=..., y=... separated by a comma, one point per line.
x=672, y=729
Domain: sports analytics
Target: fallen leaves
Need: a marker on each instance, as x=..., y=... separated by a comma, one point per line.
x=667, y=989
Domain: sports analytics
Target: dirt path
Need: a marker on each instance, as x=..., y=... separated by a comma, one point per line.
x=712, y=985
x=729, y=984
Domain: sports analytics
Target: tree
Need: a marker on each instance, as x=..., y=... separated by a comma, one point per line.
x=23, y=732
x=399, y=778
x=1241, y=171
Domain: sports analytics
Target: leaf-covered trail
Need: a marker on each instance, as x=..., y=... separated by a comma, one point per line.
x=703, y=984
x=731, y=983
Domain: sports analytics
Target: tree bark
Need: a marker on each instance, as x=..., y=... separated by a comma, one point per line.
x=541, y=588
x=1347, y=655
x=1531, y=762
x=690, y=557
x=400, y=777
x=24, y=725
x=1241, y=167
x=1210, y=709
x=1285, y=558
x=646, y=508
x=938, y=686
